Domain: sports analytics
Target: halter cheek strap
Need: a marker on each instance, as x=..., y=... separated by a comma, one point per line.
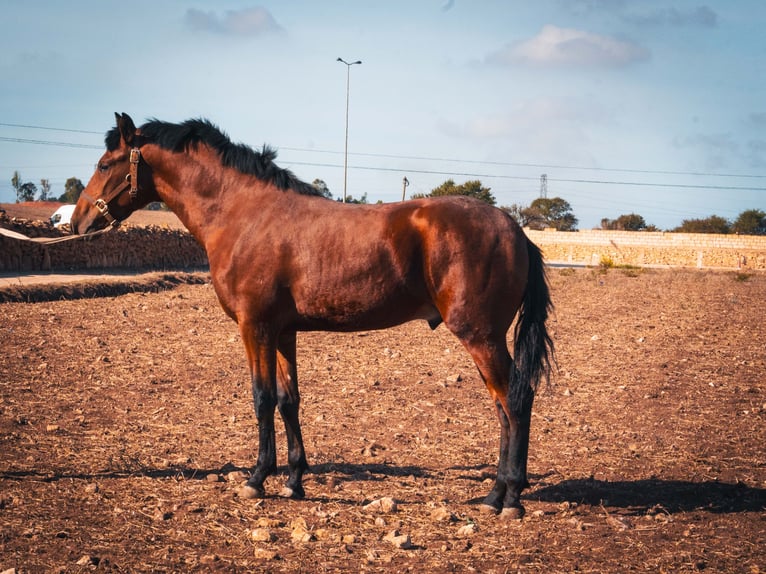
x=131, y=180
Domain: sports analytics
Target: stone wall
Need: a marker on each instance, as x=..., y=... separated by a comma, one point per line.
x=661, y=249
x=127, y=247
x=160, y=248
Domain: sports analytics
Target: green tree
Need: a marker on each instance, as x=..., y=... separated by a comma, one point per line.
x=750, y=222
x=350, y=199
x=712, y=224
x=16, y=183
x=322, y=188
x=26, y=192
x=548, y=212
x=627, y=222
x=72, y=190
x=472, y=188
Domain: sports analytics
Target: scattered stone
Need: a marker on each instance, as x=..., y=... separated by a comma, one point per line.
x=236, y=476
x=91, y=488
x=300, y=531
x=269, y=523
x=9, y=571
x=246, y=492
x=265, y=554
x=86, y=561
x=262, y=535
x=441, y=514
x=348, y=539
x=52, y=428
x=467, y=530
x=213, y=477
x=398, y=540
x=385, y=505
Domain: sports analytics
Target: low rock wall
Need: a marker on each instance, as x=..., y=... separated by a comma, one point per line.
x=652, y=249
x=160, y=248
x=127, y=247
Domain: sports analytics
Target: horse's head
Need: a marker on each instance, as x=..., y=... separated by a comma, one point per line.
x=120, y=185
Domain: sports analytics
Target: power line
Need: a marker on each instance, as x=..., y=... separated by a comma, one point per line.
x=456, y=173
x=525, y=178
x=427, y=158
x=49, y=129
x=53, y=143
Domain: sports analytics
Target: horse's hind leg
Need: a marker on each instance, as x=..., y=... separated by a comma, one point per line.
x=288, y=401
x=495, y=364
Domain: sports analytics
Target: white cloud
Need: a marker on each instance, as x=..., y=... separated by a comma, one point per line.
x=246, y=22
x=555, y=46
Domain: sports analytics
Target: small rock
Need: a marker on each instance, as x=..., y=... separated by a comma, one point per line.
x=87, y=561
x=262, y=535
x=567, y=392
x=441, y=514
x=384, y=505
x=300, y=531
x=236, y=476
x=467, y=530
x=246, y=492
x=269, y=523
x=348, y=539
x=52, y=428
x=595, y=338
x=213, y=477
x=265, y=554
x=9, y=571
x=301, y=535
x=398, y=540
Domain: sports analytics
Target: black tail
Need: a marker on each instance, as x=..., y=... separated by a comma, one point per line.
x=533, y=347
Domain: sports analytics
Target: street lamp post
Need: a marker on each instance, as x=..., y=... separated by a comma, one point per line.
x=345, y=155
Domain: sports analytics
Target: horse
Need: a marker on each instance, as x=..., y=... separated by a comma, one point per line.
x=285, y=259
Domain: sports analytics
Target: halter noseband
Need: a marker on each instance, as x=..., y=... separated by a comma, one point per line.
x=131, y=182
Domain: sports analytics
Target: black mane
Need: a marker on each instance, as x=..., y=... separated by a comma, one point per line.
x=191, y=133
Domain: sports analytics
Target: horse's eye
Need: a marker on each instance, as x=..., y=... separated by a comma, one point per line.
x=103, y=167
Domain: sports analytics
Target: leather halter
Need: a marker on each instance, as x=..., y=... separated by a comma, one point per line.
x=131, y=183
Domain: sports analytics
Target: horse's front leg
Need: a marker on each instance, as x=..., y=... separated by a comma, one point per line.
x=288, y=401
x=262, y=359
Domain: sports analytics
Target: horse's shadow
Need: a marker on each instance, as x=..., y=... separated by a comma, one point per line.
x=635, y=496
x=670, y=496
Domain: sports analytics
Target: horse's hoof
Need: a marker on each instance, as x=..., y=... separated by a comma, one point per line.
x=488, y=509
x=247, y=492
x=512, y=513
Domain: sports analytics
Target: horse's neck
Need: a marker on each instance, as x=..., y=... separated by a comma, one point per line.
x=196, y=193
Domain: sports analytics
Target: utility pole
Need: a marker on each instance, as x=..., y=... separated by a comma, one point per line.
x=405, y=183
x=544, y=186
x=345, y=156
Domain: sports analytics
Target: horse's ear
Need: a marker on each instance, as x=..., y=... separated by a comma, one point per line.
x=127, y=127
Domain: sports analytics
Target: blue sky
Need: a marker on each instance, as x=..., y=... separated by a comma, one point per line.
x=649, y=107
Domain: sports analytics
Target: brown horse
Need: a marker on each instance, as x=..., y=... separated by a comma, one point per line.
x=285, y=259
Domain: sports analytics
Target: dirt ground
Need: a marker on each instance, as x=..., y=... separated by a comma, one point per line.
x=126, y=428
